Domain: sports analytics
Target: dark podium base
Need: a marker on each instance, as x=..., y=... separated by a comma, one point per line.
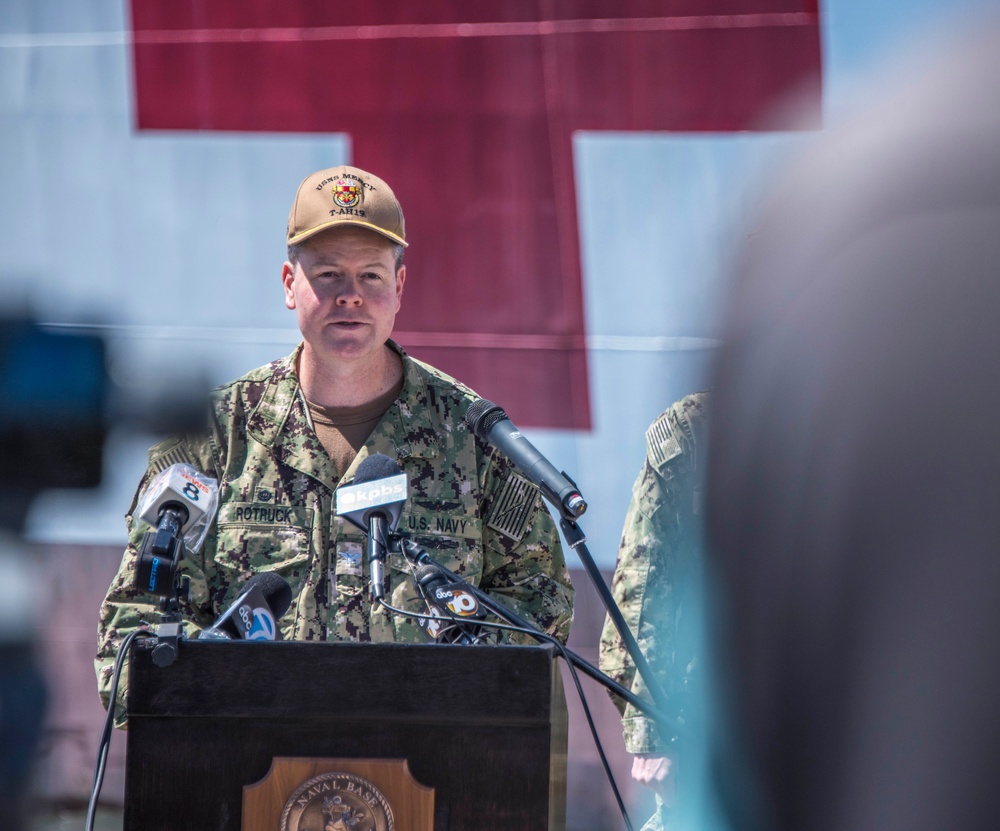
x=485, y=727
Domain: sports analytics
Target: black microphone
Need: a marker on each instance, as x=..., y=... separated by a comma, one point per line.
x=490, y=423
x=454, y=609
x=178, y=503
x=254, y=614
x=374, y=503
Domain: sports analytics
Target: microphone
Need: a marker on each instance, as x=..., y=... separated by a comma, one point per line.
x=179, y=503
x=254, y=614
x=447, y=601
x=374, y=503
x=490, y=423
x=185, y=494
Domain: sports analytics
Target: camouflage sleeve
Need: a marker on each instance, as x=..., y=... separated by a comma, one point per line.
x=523, y=563
x=125, y=606
x=656, y=570
x=642, y=573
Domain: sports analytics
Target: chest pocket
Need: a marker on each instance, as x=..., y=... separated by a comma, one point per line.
x=257, y=537
x=451, y=538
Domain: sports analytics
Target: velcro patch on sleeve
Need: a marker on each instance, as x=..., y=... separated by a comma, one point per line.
x=661, y=442
x=512, y=507
x=176, y=455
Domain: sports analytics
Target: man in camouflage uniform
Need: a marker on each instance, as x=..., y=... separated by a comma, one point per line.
x=283, y=437
x=656, y=584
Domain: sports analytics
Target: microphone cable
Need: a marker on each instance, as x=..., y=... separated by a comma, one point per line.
x=563, y=651
x=564, y=654
x=109, y=726
x=456, y=620
x=593, y=732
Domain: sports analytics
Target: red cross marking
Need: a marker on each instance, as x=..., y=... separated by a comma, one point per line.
x=467, y=109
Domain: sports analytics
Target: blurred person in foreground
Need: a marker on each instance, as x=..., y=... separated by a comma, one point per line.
x=853, y=486
x=657, y=585
x=286, y=435
x=24, y=692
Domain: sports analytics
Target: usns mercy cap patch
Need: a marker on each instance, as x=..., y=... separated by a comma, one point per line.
x=345, y=195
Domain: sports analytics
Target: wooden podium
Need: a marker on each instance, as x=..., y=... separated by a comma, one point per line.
x=480, y=731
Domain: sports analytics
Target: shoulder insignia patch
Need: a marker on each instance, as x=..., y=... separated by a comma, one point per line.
x=661, y=443
x=176, y=455
x=512, y=507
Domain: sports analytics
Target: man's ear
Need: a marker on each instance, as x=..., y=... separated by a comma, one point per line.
x=287, y=278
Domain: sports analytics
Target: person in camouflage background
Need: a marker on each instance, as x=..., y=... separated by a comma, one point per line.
x=284, y=436
x=655, y=584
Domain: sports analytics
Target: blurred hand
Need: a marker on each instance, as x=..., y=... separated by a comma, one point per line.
x=657, y=773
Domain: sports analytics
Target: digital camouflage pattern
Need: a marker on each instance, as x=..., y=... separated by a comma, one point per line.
x=658, y=571
x=467, y=506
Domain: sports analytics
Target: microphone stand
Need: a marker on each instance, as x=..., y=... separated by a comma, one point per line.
x=569, y=509
x=170, y=630
x=418, y=556
x=577, y=540
x=159, y=557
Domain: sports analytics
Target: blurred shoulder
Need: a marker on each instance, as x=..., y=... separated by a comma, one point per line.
x=679, y=431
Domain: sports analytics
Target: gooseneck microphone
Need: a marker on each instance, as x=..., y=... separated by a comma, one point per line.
x=490, y=423
x=374, y=503
x=254, y=614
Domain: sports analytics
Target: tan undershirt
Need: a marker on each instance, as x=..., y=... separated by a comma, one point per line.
x=344, y=430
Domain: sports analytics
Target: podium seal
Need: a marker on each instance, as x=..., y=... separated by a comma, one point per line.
x=337, y=802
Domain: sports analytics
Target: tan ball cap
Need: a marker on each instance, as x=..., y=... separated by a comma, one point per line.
x=345, y=195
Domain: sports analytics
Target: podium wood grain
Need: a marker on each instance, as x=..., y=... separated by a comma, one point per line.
x=485, y=727
x=412, y=804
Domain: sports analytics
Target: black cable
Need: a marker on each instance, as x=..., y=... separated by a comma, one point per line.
x=536, y=634
x=597, y=739
x=109, y=726
x=564, y=654
x=414, y=554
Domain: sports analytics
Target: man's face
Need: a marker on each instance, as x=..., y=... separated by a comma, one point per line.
x=345, y=291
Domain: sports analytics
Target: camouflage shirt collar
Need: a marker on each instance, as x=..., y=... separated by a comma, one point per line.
x=267, y=420
x=407, y=425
